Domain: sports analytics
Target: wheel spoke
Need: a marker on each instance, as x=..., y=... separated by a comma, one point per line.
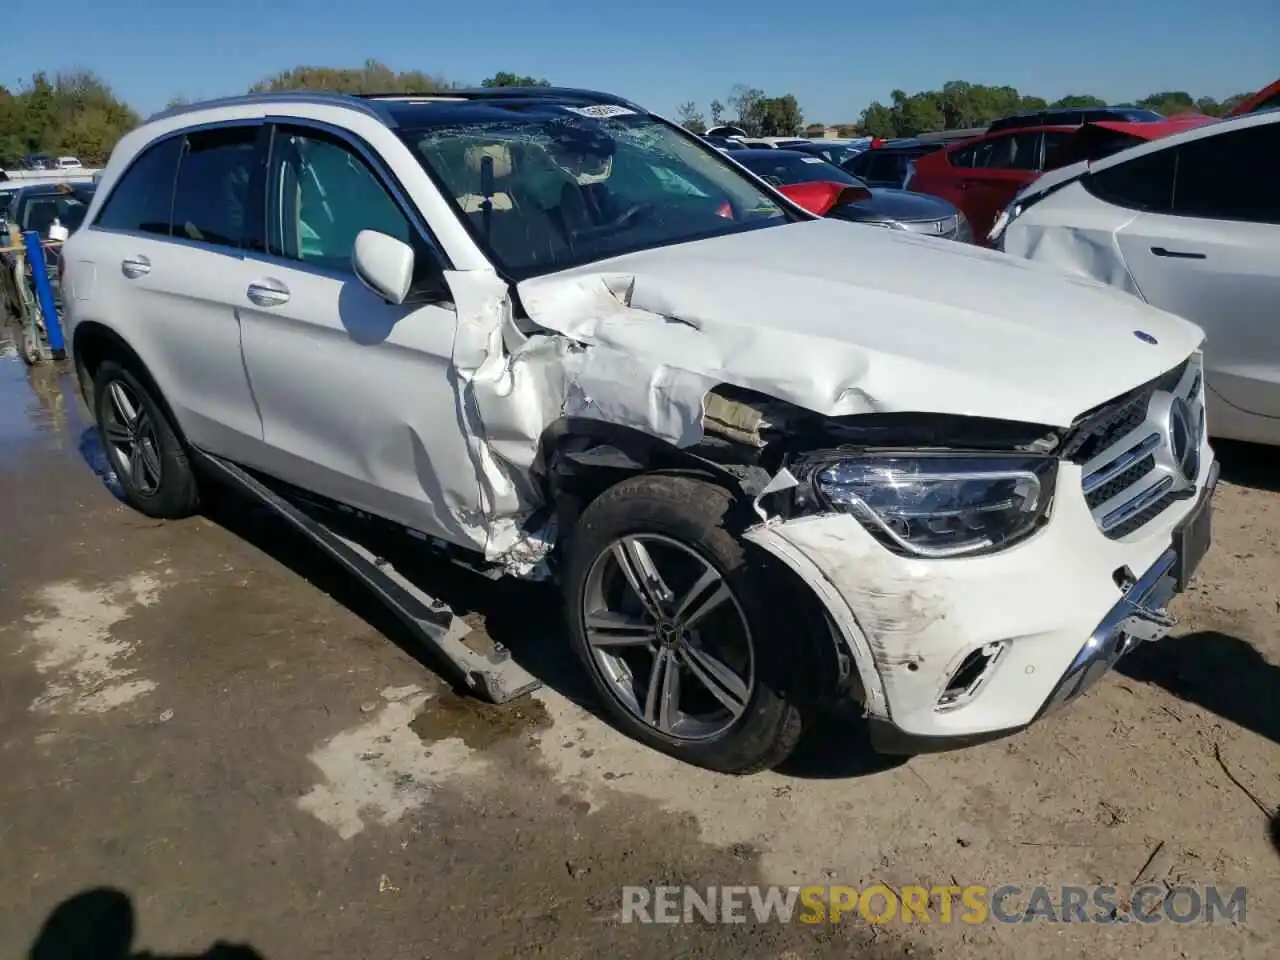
x=150, y=463
x=720, y=680
x=608, y=629
x=662, y=700
x=638, y=567
x=137, y=468
x=123, y=406
x=704, y=596
x=117, y=434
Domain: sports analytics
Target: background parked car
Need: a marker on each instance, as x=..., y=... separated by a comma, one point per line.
x=1190, y=224
x=1074, y=117
x=981, y=176
x=888, y=163
x=899, y=209
x=1267, y=98
x=833, y=151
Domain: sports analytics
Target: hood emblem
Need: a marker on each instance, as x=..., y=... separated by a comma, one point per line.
x=1145, y=337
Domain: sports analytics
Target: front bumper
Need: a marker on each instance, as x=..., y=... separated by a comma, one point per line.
x=912, y=623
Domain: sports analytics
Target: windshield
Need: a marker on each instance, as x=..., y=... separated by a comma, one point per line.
x=783, y=166
x=552, y=186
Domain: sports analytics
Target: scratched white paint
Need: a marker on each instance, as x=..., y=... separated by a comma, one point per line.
x=84, y=663
x=380, y=770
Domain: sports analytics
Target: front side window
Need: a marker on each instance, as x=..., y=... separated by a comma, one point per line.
x=322, y=195
x=143, y=197
x=548, y=186
x=211, y=198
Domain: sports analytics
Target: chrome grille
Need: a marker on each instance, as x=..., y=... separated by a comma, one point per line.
x=944, y=228
x=1139, y=454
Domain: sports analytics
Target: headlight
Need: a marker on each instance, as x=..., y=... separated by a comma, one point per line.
x=942, y=505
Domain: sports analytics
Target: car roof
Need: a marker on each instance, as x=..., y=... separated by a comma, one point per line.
x=420, y=109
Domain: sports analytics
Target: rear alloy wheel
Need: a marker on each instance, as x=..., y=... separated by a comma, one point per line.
x=142, y=446
x=671, y=618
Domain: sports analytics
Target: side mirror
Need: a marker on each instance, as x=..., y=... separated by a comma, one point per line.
x=383, y=264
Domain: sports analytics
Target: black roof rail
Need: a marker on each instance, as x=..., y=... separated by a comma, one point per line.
x=322, y=97
x=511, y=93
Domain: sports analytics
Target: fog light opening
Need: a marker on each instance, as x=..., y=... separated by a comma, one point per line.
x=969, y=678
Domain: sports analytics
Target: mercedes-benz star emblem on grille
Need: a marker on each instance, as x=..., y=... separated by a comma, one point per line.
x=1145, y=337
x=1183, y=442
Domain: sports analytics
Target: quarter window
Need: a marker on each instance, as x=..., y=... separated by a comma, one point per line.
x=1232, y=176
x=323, y=195
x=142, y=200
x=211, y=197
x=1144, y=183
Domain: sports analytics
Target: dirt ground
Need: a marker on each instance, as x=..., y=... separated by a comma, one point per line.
x=207, y=737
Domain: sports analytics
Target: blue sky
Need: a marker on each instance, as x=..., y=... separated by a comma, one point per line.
x=836, y=57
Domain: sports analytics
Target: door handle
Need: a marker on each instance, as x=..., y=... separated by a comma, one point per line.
x=1177, y=254
x=268, y=293
x=134, y=267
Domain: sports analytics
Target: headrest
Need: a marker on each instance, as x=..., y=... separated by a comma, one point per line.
x=501, y=154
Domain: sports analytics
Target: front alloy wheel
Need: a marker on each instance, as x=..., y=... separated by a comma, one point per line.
x=667, y=633
x=677, y=625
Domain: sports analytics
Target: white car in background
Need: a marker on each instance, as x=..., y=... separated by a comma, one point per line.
x=1191, y=224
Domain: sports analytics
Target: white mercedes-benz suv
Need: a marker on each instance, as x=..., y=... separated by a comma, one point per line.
x=772, y=461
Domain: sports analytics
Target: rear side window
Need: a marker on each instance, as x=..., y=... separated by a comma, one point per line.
x=211, y=196
x=1012, y=151
x=1144, y=183
x=1233, y=176
x=142, y=199
x=884, y=168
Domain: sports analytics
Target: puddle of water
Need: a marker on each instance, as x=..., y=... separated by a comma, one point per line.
x=40, y=408
x=448, y=716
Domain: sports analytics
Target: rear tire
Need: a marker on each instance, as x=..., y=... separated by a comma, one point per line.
x=713, y=599
x=142, y=445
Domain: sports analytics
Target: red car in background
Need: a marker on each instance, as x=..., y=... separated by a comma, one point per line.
x=981, y=176
x=1268, y=98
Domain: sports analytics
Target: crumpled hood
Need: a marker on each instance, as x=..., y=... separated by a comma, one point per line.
x=845, y=321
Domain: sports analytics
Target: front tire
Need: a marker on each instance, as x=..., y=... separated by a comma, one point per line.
x=142, y=445
x=671, y=616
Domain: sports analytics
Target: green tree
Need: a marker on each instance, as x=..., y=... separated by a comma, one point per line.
x=780, y=116
x=373, y=77
x=746, y=104
x=717, y=112
x=1168, y=102
x=691, y=118
x=72, y=113
x=1077, y=100
x=504, y=79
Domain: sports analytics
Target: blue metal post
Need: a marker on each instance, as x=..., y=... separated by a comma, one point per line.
x=44, y=292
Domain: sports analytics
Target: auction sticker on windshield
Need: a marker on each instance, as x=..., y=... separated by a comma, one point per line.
x=602, y=111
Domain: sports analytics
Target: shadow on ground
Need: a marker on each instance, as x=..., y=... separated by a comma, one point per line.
x=1249, y=464
x=1218, y=672
x=524, y=617
x=99, y=924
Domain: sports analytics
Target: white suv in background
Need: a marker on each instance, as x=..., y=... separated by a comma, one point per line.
x=1190, y=223
x=772, y=461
